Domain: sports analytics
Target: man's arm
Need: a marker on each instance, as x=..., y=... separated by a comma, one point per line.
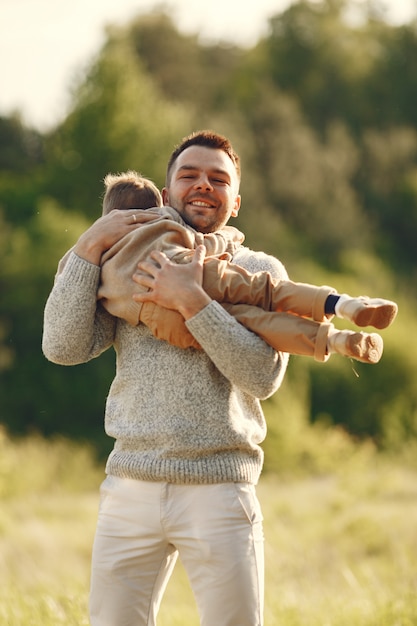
x=241, y=356
x=76, y=329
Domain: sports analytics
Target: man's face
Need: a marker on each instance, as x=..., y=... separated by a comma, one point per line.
x=203, y=188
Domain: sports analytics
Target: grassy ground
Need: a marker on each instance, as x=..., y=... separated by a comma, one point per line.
x=341, y=548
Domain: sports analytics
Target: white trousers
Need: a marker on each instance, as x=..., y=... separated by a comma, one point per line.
x=142, y=526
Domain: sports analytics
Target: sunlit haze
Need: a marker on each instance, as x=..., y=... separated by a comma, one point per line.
x=44, y=43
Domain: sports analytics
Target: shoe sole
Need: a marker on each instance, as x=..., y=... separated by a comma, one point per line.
x=378, y=316
x=365, y=348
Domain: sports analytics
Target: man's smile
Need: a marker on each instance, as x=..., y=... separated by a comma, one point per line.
x=202, y=203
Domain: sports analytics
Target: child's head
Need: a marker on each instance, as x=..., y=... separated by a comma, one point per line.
x=129, y=190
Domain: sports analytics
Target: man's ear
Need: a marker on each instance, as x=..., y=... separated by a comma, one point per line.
x=236, y=208
x=165, y=196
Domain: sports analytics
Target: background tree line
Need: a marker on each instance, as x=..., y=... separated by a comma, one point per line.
x=323, y=113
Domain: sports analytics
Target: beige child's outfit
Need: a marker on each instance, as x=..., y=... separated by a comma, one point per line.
x=278, y=311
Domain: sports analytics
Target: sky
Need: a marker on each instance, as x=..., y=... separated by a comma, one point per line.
x=45, y=43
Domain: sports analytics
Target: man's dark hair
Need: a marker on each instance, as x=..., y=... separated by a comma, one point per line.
x=206, y=139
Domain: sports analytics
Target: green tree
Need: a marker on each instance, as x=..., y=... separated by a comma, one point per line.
x=119, y=121
x=185, y=70
x=37, y=396
x=21, y=147
x=391, y=88
x=307, y=181
x=388, y=185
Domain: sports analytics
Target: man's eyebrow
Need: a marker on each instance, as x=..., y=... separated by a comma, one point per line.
x=196, y=167
x=188, y=167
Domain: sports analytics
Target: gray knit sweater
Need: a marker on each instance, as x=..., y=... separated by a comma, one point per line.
x=181, y=416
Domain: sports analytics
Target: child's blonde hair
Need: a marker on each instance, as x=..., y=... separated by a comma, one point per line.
x=129, y=190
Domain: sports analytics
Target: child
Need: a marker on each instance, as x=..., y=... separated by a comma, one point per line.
x=277, y=311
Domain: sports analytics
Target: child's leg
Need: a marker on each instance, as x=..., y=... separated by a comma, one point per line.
x=296, y=335
x=227, y=282
x=284, y=331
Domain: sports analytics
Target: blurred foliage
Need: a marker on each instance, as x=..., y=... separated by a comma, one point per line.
x=321, y=110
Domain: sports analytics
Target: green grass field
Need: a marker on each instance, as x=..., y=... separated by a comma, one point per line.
x=341, y=548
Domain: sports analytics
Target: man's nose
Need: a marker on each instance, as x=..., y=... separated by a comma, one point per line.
x=203, y=183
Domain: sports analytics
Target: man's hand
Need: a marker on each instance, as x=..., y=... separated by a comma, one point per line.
x=171, y=285
x=104, y=233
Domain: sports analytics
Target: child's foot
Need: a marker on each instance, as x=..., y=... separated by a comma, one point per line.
x=363, y=347
x=364, y=311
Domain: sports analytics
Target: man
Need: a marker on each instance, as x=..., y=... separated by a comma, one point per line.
x=187, y=423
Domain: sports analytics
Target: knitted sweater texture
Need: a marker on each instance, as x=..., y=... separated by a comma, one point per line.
x=177, y=415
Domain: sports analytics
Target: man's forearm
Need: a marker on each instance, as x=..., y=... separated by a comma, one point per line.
x=74, y=331
x=241, y=356
x=89, y=249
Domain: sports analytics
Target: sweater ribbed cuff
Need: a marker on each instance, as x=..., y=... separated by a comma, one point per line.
x=78, y=270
